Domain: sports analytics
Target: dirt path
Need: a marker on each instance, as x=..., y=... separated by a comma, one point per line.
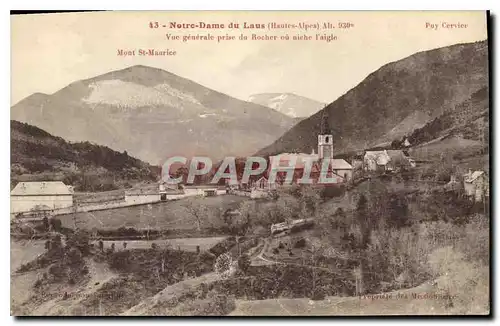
x=153, y=305
x=260, y=259
x=404, y=302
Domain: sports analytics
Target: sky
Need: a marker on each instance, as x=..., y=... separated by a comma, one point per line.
x=50, y=51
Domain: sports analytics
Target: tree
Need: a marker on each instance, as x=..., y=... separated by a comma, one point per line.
x=56, y=224
x=80, y=240
x=101, y=245
x=244, y=262
x=46, y=224
x=56, y=243
x=197, y=211
x=310, y=199
x=398, y=211
x=124, y=245
x=223, y=264
x=113, y=247
x=74, y=256
x=362, y=218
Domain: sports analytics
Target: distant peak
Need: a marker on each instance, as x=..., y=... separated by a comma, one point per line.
x=142, y=67
x=34, y=97
x=139, y=74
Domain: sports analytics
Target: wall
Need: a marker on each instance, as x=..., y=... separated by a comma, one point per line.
x=26, y=203
x=130, y=200
x=370, y=164
x=256, y=193
x=175, y=196
x=241, y=193
x=342, y=172
x=193, y=192
x=469, y=188
x=142, y=199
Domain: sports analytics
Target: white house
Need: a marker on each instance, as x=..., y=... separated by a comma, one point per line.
x=376, y=160
x=43, y=195
x=142, y=196
x=341, y=168
x=152, y=194
x=386, y=160
x=476, y=185
x=203, y=190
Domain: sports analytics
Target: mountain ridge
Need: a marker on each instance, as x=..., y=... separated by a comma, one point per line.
x=39, y=155
x=431, y=82
x=153, y=114
x=291, y=104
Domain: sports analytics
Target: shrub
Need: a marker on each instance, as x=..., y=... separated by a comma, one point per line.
x=38, y=283
x=79, y=240
x=74, y=256
x=119, y=260
x=214, y=304
x=56, y=224
x=301, y=243
x=244, y=262
x=318, y=294
x=57, y=271
x=223, y=264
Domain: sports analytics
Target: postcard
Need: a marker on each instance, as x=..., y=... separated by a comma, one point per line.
x=250, y=163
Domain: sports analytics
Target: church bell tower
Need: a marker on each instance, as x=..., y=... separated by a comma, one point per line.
x=325, y=139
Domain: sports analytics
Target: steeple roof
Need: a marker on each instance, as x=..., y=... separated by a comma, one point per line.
x=325, y=124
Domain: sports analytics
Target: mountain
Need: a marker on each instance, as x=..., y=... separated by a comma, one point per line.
x=387, y=103
x=36, y=154
x=292, y=105
x=153, y=114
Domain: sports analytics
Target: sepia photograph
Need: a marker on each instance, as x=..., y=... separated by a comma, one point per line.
x=250, y=163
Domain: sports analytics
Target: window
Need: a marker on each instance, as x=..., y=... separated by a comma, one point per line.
x=163, y=197
x=327, y=139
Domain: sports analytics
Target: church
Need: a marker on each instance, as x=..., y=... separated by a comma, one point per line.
x=338, y=171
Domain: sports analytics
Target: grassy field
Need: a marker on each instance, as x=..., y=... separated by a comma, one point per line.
x=99, y=197
x=435, y=150
x=184, y=244
x=24, y=251
x=171, y=215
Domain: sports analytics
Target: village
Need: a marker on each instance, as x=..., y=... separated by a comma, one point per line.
x=250, y=228
x=52, y=198
x=266, y=179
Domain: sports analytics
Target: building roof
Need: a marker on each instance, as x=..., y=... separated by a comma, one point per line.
x=203, y=186
x=398, y=156
x=473, y=176
x=340, y=164
x=41, y=188
x=139, y=192
x=152, y=189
